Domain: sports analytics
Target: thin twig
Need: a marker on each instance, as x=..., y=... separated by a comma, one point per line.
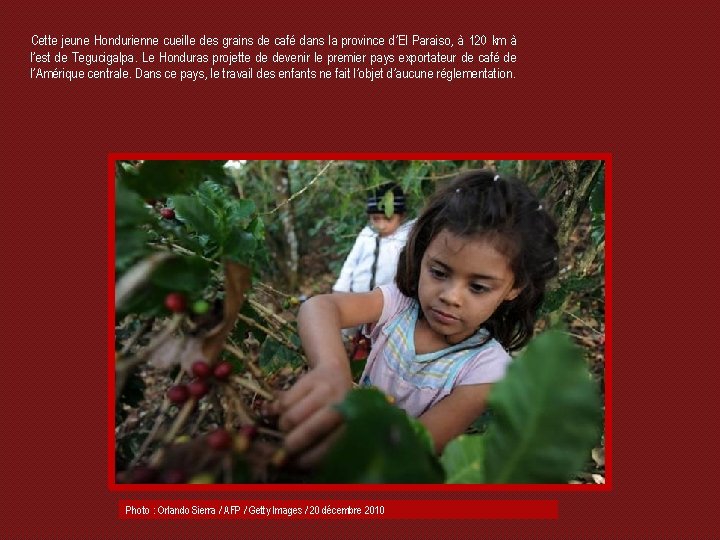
x=136, y=336
x=249, y=364
x=250, y=385
x=576, y=336
x=246, y=417
x=257, y=306
x=583, y=322
x=124, y=366
x=269, y=332
x=169, y=329
x=156, y=427
x=269, y=288
x=180, y=420
x=287, y=201
x=200, y=418
x=180, y=249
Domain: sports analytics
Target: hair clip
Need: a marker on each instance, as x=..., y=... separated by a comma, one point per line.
x=539, y=207
x=497, y=177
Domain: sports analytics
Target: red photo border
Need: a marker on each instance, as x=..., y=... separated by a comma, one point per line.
x=430, y=488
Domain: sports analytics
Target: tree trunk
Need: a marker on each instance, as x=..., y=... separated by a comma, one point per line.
x=286, y=212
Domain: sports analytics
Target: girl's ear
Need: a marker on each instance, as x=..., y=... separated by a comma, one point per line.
x=513, y=294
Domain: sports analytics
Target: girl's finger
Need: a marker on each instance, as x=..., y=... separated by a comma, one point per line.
x=303, y=408
x=296, y=392
x=312, y=457
x=316, y=427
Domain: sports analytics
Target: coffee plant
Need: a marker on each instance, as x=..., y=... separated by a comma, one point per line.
x=202, y=341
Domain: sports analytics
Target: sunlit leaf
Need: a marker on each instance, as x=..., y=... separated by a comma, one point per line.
x=463, y=460
x=546, y=415
x=388, y=204
x=379, y=445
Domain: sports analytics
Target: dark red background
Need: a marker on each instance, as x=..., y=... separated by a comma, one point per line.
x=634, y=82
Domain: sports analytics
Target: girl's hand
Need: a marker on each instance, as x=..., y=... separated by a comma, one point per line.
x=306, y=410
x=307, y=413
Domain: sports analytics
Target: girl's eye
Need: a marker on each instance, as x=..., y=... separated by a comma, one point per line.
x=437, y=273
x=477, y=288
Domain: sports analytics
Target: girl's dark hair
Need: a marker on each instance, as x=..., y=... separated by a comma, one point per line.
x=507, y=213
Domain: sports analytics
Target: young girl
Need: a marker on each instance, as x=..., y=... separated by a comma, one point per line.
x=469, y=283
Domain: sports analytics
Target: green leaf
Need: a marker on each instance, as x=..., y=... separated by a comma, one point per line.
x=555, y=298
x=422, y=433
x=130, y=246
x=195, y=215
x=379, y=444
x=240, y=211
x=130, y=209
x=274, y=355
x=384, y=170
x=240, y=246
x=356, y=369
x=186, y=274
x=257, y=228
x=463, y=460
x=388, y=204
x=158, y=178
x=546, y=415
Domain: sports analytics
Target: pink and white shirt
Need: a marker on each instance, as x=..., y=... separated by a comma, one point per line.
x=419, y=381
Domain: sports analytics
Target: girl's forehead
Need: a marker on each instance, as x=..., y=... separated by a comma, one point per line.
x=474, y=253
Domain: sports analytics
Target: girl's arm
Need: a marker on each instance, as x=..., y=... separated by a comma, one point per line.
x=306, y=412
x=453, y=415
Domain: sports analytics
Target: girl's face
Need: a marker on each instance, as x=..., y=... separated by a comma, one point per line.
x=383, y=225
x=462, y=282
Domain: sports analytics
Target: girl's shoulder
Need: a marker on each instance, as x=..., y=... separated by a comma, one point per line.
x=366, y=232
x=487, y=364
x=403, y=231
x=394, y=303
x=394, y=300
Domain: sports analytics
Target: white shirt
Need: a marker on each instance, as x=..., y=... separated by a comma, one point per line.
x=357, y=271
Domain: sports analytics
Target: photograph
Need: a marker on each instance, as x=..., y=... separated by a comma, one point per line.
x=318, y=320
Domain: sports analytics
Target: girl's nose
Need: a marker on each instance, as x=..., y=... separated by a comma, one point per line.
x=451, y=293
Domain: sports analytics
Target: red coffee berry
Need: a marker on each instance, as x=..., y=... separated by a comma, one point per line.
x=178, y=394
x=201, y=369
x=167, y=213
x=198, y=388
x=175, y=302
x=222, y=371
x=220, y=439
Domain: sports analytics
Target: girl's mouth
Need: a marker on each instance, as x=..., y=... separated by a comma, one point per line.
x=442, y=317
